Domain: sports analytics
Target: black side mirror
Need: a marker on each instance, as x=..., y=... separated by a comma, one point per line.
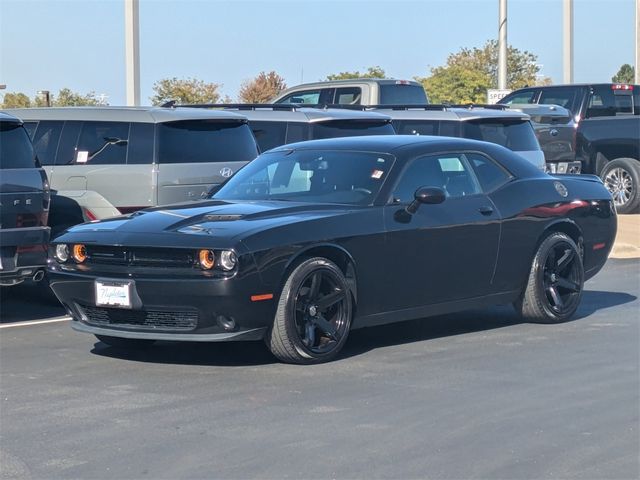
x=426, y=195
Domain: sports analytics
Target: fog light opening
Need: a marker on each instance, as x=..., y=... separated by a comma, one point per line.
x=227, y=323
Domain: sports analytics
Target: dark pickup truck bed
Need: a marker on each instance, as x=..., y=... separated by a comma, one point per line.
x=610, y=148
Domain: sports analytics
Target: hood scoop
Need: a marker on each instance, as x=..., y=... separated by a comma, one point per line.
x=212, y=217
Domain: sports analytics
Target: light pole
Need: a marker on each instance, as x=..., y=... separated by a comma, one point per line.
x=132, y=51
x=502, y=45
x=567, y=41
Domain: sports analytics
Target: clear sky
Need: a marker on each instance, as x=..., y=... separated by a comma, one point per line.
x=51, y=44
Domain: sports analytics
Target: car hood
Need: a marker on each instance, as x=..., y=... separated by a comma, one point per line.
x=195, y=223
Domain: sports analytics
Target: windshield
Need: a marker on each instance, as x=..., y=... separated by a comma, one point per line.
x=310, y=176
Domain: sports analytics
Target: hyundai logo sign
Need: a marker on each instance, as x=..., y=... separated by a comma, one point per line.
x=226, y=172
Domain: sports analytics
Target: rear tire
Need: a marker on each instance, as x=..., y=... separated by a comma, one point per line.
x=622, y=178
x=125, y=343
x=554, y=287
x=313, y=317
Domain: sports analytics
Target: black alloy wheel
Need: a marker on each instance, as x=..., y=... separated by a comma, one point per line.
x=314, y=312
x=554, y=287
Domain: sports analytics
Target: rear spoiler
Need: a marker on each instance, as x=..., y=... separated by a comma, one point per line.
x=577, y=176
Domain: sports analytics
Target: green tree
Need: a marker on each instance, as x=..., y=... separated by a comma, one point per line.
x=626, y=74
x=262, y=88
x=67, y=98
x=16, y=100
x=185, y=91
x=470, y=72
x=372, y=72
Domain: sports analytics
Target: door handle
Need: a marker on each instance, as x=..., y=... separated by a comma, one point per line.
x=486, y=210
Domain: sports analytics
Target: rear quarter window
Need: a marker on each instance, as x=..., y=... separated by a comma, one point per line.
x=269, y=134
x=204, y=141
x=515, y=135
x=15, y=147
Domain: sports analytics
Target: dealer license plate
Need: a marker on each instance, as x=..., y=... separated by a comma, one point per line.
x=113, y=294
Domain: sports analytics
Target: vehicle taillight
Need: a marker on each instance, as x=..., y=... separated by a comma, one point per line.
x=403, y=82
x=88, y=214
x=621, y=86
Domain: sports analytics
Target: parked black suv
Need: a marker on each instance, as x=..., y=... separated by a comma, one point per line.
x=24, y=202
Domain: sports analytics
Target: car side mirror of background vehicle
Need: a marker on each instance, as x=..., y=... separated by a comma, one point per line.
x=426, y=195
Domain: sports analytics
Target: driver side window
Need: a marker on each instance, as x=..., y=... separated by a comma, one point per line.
x=451, y=172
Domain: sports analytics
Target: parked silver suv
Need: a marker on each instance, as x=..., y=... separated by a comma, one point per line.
x=274, y=124
x=495, y=124
x=103, y=161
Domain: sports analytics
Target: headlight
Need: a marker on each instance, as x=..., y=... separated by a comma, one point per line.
x=207, y=259
x=62, y=253
x=228, y=260
x=79, y=253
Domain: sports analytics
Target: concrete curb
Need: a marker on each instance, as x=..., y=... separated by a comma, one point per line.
x=627, y=244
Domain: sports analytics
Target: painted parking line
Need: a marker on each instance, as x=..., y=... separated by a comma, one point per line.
x=35, y=322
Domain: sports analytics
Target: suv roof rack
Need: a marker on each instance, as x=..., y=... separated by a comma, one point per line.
x=238, y=106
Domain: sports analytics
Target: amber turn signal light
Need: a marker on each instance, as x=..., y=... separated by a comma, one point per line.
x=79, y=253
x=207, y=259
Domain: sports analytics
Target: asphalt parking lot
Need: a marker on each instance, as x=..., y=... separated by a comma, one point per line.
x=472, y=395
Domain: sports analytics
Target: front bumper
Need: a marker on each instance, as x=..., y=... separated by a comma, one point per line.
x=194, y=309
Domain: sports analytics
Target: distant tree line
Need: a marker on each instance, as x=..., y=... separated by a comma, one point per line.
x=464, y=78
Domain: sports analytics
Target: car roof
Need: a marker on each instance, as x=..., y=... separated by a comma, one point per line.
x=305, y=114
x=5, y=117
x=371, y=81
x=124, y=114
x=384, y=143
x=452, y=114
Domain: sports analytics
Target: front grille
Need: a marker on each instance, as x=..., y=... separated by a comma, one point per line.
x=140, y=319
x=143, y=257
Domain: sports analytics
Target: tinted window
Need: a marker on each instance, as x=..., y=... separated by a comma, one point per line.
x=516, y=135
x=490, y=175
x=450, y=172
x=525, y=96
x=349, y=128
x=30, y=127
x=141, y=141
x=426, y=127
x=45, y=141
x=348, y=96
x=297, y=132
x=68, y=140
x=567, y=97
x=603, y=102
x=395, y=94
x=305, y=96
x=102, y=143
x=269, y=134
x=205, y=141
x=313, y=176
x=15, y=147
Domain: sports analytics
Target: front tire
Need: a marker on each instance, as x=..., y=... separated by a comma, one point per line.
x=622, y=178
x=313, y=317
x=554, y=287
x=125, y=343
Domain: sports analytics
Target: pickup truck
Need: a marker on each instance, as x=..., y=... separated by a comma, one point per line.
x=610, y=148
x=556, y=132
x=357, y=91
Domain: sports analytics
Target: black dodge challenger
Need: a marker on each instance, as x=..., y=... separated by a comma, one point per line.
x=311, y=240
